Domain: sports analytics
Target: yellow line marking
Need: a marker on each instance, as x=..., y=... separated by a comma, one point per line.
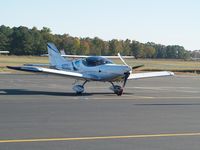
x=100, y=137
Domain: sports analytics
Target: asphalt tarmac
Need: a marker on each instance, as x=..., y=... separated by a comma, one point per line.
x=42, y=112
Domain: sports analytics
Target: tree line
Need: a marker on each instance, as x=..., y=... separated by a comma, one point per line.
x=24, y=41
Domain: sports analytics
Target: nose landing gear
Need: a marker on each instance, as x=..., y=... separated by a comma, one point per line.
x=117, y=89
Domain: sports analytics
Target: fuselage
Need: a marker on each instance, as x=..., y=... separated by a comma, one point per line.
x=97, y=68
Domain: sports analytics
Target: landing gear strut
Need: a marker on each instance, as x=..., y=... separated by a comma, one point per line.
x=79, y=89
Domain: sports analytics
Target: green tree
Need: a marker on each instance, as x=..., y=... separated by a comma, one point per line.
x=137, y=49
x=21, y=42
x=126, y=47
x=97, y=46
x=5, y=33
x=84, y=48
x=172, y=51
x=4, y=42
x=38, y=45
x=75, y=45
x=46, y=35
x=149, y=51
x=181, y=52
x=24, y=41
x=115, y=47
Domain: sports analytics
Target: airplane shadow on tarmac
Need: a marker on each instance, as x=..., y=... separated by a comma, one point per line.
x=49, y=93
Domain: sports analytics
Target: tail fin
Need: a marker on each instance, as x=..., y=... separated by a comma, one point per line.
x=55, y=59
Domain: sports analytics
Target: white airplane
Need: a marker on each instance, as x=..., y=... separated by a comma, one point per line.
x=93, y=68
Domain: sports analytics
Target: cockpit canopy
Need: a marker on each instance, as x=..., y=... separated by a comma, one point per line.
x=96, y=61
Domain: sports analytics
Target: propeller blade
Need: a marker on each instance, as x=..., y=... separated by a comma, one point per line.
x=122, y=59
x=138, y=66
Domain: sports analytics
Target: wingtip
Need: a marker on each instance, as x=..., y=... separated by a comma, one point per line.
x=14, y=67
x=171, y=73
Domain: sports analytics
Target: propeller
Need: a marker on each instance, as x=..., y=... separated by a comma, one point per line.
x=126, y=73
x=129, y=72
x=134, y=67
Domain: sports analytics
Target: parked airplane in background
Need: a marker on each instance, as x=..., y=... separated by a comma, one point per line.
x=4, y=52
x=93, y=68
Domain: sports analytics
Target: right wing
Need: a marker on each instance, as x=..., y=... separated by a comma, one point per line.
x=49, y=71
x=150, y=75
x=65, y=73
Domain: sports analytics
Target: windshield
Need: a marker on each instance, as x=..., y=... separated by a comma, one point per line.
x=96, y=61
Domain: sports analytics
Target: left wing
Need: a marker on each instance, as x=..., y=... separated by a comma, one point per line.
x=149, y=75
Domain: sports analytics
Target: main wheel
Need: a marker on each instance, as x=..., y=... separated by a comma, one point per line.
x=79, y=89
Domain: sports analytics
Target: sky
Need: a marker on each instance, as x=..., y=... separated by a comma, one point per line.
x=167, y=22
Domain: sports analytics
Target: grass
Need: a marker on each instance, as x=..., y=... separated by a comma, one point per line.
x=149, y=64
x=159, y=64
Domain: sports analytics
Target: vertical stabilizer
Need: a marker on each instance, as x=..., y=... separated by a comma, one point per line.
x=55, y=59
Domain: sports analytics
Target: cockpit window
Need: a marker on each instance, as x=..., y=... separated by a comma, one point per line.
x=96, y=61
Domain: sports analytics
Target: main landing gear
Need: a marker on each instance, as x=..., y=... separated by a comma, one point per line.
x=79, y=89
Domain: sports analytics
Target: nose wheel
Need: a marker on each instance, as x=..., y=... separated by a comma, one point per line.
x=117, y=89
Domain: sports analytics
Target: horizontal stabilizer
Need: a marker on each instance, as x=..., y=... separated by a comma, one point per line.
x=38, y=65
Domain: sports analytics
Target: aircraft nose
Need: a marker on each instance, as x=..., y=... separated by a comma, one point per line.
x=119, y=69
x=127, y=69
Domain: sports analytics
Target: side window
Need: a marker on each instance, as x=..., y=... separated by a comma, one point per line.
x=78, y=63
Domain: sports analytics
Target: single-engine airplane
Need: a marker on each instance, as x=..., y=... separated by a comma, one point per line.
x=92, y=68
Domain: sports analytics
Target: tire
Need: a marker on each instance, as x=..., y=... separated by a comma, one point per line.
x=120, y=92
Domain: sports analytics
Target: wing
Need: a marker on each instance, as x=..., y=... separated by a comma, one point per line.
x=50, y=71
x=150, y=75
